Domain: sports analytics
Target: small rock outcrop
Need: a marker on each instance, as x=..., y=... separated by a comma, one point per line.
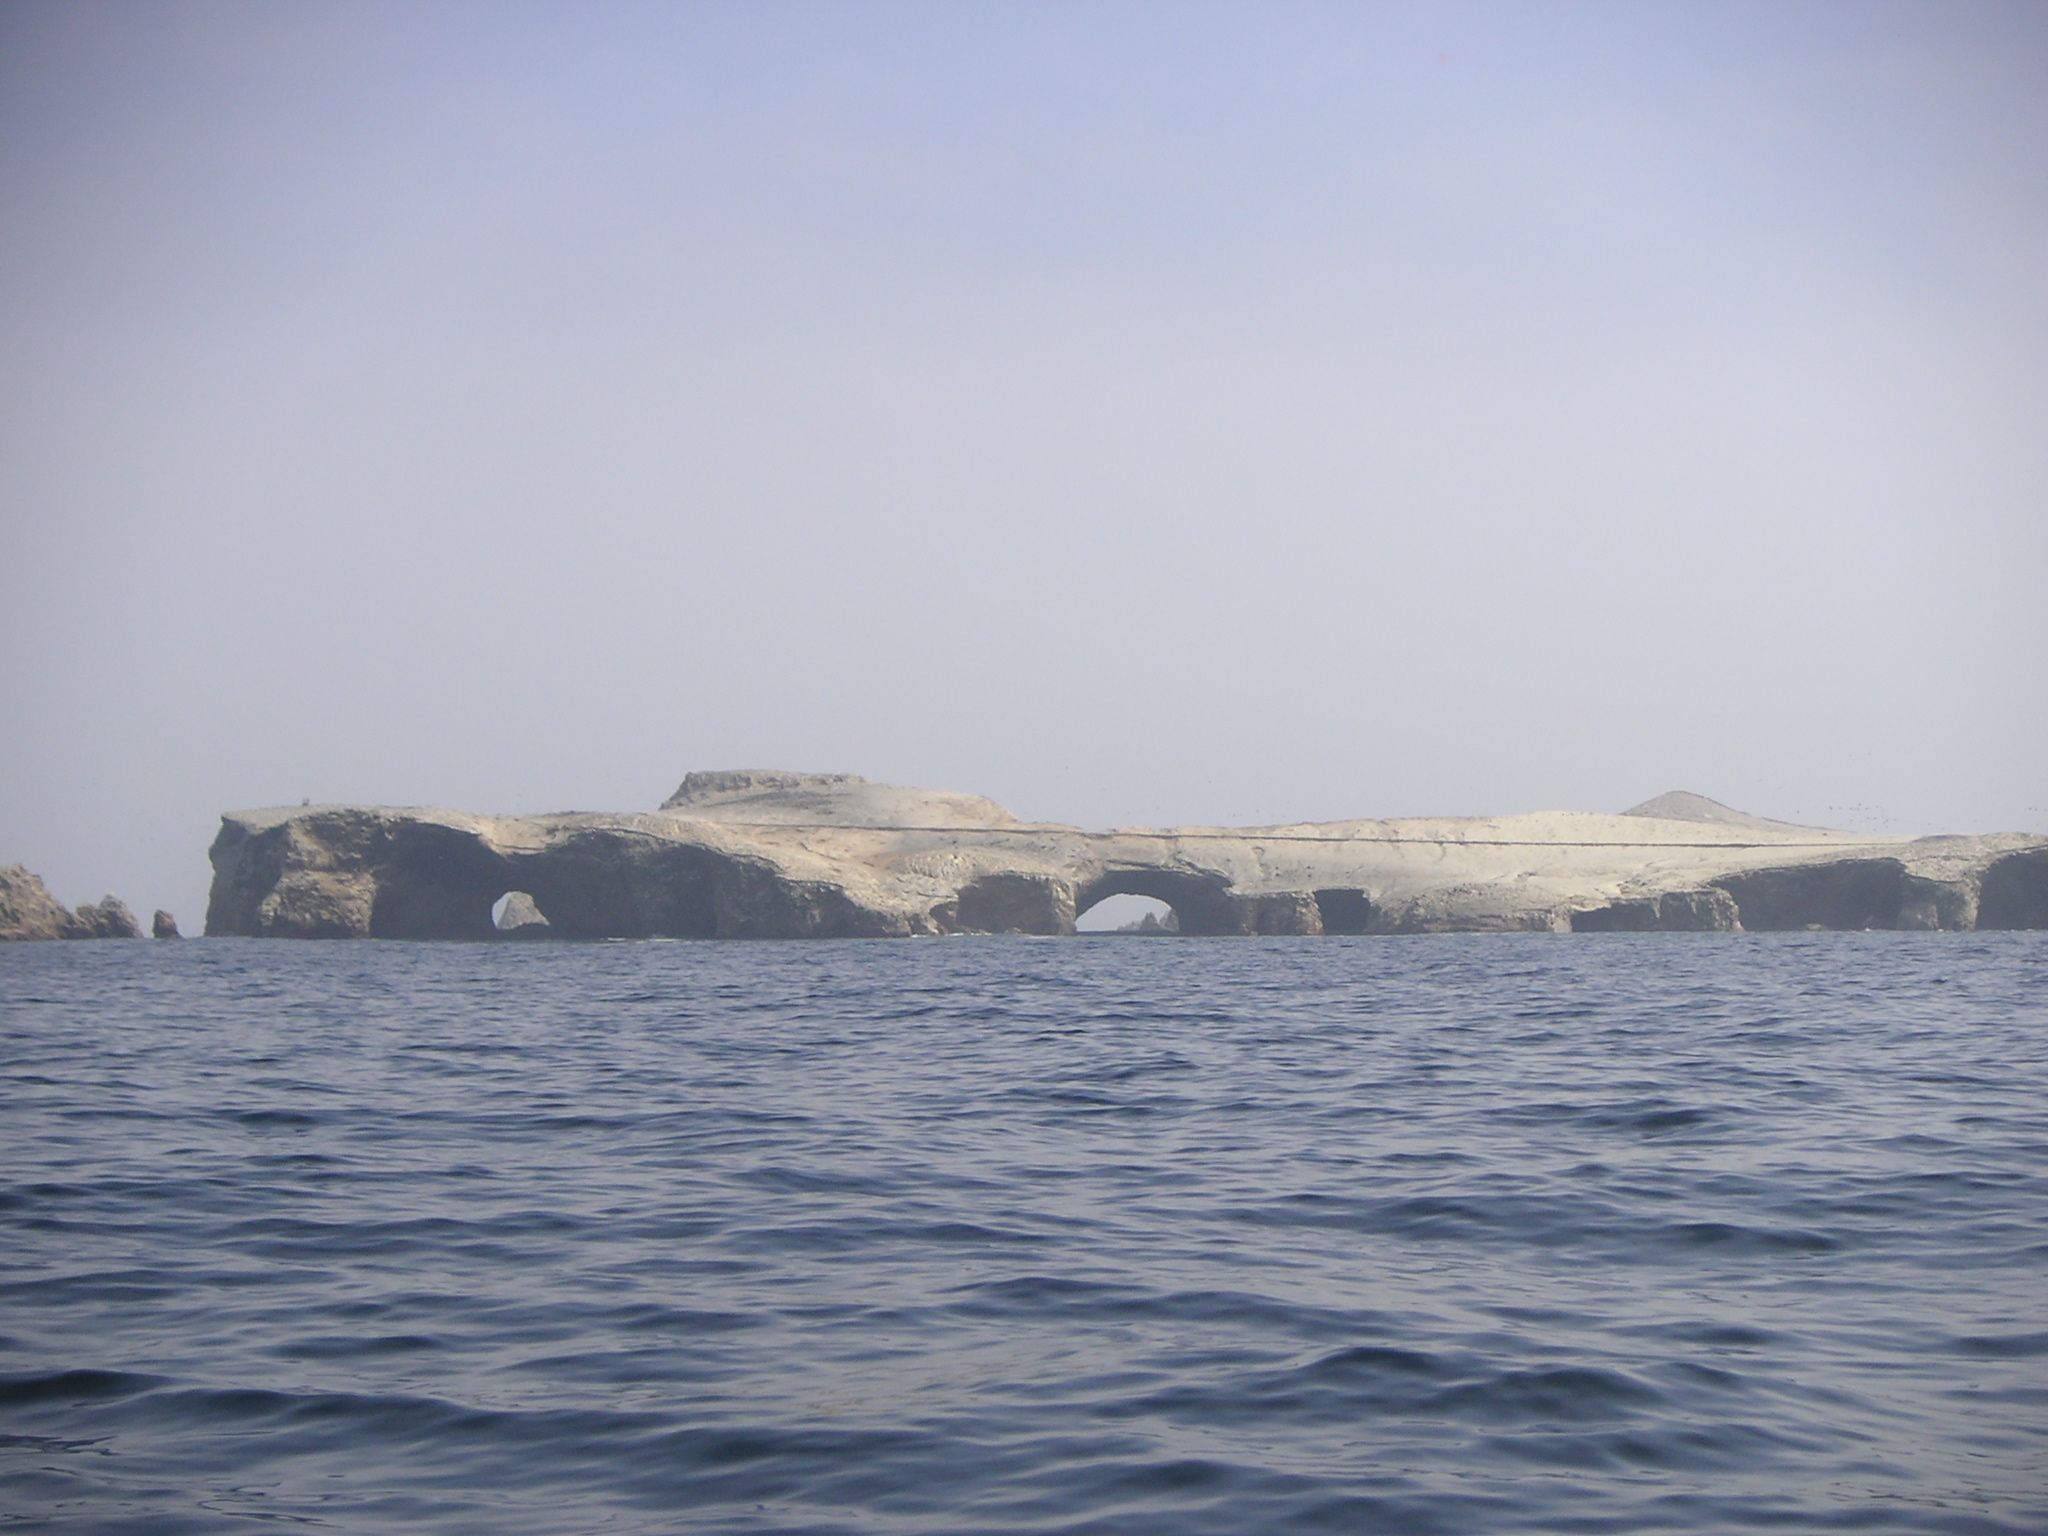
x=111, y=919
x=756, y=853
x=29, y=911
x=163, y=925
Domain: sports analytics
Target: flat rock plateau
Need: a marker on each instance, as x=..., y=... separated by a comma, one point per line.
x=765, y=854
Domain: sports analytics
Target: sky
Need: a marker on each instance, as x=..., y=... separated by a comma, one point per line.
x=1141, y=415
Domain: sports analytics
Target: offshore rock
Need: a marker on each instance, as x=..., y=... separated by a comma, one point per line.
x=27, y=909
x=757, y=853
x=163, y=925
x=111, y=919
x=520, y=916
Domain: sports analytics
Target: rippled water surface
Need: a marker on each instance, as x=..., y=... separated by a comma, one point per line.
x=1486, y=1234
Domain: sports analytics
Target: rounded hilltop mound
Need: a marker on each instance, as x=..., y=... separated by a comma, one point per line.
x=1683, y=805
x=772, y=795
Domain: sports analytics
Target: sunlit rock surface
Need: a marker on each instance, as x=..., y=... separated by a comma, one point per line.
x=769, y=854
x=519, y=915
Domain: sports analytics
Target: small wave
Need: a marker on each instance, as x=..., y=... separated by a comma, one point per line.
x=274, y=1119
x=350, y=1346
x=2001, y=1346
x=1649, y=1119
x=1741, y=1239
x=78, y=1385
x=1568, y=1394
x=1726, y=1335
x=1375, y=1360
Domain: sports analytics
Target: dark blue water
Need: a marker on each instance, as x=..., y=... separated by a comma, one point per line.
x=1463, y=1234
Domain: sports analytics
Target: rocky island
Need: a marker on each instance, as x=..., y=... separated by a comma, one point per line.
x=764, y=854
x=29, y=911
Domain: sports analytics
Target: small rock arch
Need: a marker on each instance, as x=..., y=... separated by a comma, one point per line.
x=1200, y=905
x=1122, y=912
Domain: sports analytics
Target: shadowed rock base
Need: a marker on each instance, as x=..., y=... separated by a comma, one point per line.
x=1708, y=911
x=2014, y=892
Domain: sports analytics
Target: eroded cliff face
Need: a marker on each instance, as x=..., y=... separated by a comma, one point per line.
x=761, y=854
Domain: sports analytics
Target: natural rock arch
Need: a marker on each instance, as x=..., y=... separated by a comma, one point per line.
x=1204, y=904
x=1139, y=914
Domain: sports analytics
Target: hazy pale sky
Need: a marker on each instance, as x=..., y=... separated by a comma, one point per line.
x=1138, y=414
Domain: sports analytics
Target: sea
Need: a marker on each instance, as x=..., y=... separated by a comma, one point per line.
x=1465, y=1233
